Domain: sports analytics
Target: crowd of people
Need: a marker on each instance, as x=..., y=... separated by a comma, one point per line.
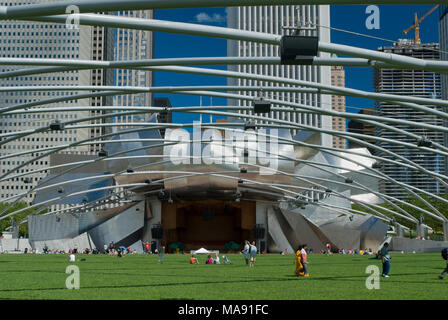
x=115, y=250
x=211, y=260
x=328, y=250
x=249, y=253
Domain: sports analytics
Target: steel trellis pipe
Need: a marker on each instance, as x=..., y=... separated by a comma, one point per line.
x=410, y=163
x=243, y=35
x=407, y=101
x=344, y=91
x=275, y=186
x=317, y=61
x=53, y=8
x=443, y=152
x=307, y=127
x=341, y=157
x=402, y=164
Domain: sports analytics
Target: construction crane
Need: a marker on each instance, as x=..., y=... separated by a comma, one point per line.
x=416, y=25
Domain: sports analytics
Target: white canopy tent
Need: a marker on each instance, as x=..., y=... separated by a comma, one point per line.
x=204, y=251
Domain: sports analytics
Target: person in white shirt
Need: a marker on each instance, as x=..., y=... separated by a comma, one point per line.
x=216, y=259
x=72, y=258
x=253, y=253
x=246, y=252
x=304, y=255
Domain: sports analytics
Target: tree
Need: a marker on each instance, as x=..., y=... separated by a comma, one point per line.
x=6, y=223
x=435, y=224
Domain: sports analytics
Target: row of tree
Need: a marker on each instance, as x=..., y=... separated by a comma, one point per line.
x=7, y=222
x=435, y=224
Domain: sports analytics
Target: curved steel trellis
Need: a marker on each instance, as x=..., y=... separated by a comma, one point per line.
x=365, y=58
x=128, y=151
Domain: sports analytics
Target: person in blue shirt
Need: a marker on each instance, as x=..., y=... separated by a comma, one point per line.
x=445, y=257
x=385, y=257
x=444, y=273
x=161, y=254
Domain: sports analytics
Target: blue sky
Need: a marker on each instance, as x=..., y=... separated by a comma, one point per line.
x=393, y=20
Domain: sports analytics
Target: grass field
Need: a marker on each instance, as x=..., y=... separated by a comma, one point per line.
x=413, y=276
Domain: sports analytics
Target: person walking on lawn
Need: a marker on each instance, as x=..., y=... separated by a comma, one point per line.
x=385, y=258
x=304, y=255
x=445, y=257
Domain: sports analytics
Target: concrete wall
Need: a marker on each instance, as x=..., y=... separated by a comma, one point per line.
x=9, y=245
x=80, y=242
x=419, y=246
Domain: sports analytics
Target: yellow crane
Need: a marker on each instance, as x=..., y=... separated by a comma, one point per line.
x=416, y=25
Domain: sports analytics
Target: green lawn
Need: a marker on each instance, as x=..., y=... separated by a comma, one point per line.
x=413, y=276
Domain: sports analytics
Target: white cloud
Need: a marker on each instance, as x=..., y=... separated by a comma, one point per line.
x=204, y=17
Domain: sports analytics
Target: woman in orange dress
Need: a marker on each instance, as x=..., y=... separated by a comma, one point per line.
x=299, y=272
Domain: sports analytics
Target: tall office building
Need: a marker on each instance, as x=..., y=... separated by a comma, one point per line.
x=116, y=44
x=338, y=104
x=102, y=50
x=133, y=45
x=410, y=83
x=307, y=20
x=21, y=39
x=443, y=39
x=363, y=128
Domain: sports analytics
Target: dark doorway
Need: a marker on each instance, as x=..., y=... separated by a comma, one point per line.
x=209, y=224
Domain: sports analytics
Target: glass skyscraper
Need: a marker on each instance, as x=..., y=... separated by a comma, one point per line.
x=409, y=83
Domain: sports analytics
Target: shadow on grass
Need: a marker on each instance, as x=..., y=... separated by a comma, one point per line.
x=119, y=271
x=151, y=285
x=284, y=279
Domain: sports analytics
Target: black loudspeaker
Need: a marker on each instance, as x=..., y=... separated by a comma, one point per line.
x=153, y=246
x=295, y=50
x=102, y=153
x=56, y=126
x=157, y=232
x=259, y=231
x=261, y=106
x=424, y=142
x=262, y=246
